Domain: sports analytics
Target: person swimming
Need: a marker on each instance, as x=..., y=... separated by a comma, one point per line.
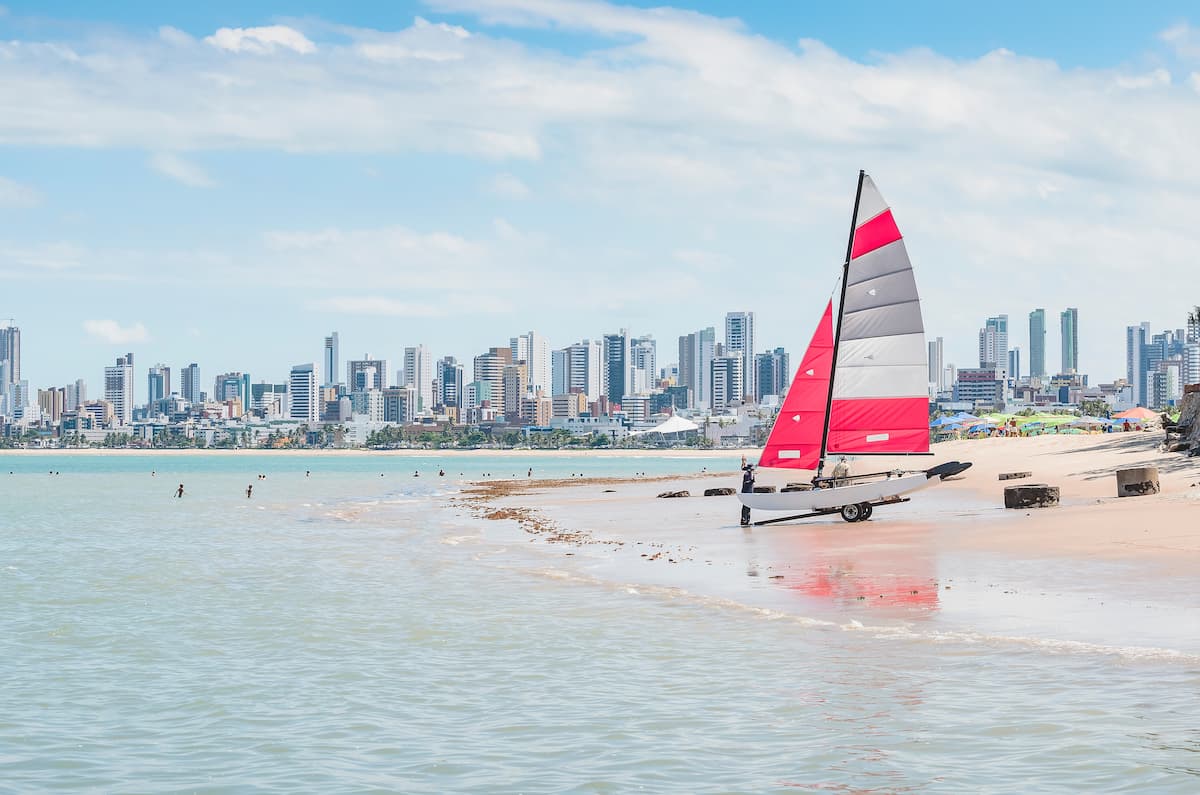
x=249, y=489
x=179, y=492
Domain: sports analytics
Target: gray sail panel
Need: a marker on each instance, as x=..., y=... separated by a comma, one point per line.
x=894, y=288
x=884, y=321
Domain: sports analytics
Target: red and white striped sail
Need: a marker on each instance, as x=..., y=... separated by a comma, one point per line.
x=880, y=382
x=880, y=401
x=795, y=440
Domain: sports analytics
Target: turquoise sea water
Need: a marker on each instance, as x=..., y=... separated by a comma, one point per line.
x=346, y=632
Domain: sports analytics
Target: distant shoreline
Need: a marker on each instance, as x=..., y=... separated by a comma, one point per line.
x=589, y=453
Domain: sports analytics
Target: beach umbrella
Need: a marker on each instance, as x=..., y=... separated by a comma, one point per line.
x=1137, y=413
x=943, y=421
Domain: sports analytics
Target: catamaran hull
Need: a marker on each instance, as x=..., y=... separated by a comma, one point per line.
x=833, y=498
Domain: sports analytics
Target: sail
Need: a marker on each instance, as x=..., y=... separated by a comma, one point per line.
x=880, y=386
x=795, y=440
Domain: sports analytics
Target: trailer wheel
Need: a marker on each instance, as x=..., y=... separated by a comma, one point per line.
x=852, y=512
x=867, y=510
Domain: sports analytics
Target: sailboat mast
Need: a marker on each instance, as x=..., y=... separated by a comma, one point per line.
x=837, y=334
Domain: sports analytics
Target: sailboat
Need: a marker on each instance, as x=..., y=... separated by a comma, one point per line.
x=862, y=387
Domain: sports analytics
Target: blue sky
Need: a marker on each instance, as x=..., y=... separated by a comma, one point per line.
x=228, y=182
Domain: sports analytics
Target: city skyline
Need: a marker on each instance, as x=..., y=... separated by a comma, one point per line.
x=317, y=199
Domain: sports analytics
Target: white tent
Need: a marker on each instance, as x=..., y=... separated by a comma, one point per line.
x=673, y=424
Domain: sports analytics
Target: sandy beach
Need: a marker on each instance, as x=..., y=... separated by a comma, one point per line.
x=1093, y=568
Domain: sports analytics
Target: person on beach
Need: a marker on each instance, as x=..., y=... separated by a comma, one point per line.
x=179, y=492
x=249, y=489
x=441, y=473
x=530, y=472
x=747, y=488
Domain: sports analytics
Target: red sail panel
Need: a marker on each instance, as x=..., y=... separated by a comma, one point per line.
x=874, y=233
x=795, y=440
x=896, y=425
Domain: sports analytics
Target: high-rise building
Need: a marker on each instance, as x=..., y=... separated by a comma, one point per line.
x=228, y=387
x=993, y=342
x=158, y=384
x=516, y=380
x=1037, y=343
x=331, y=359
x=399, y=404
x=534, y=349
x=304, y=403
x=696, y=352
x=189, y=387
x=578, y=369
x=1014, y=364
x=1136, y=371
x=76, y=395
x=418, y=373
x=937, y=367
x=1070, y=341
x=616, y=365
x=10, y=351
x=52, y=403
x=772, y=374
x=727, y=381
x=450, y=382
x=643, y=365
x=366, y=373
x=739, y=341
x=488, y=368
x=118, y=389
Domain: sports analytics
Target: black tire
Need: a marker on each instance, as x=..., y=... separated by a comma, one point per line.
x=867, y=510
x=852, y=512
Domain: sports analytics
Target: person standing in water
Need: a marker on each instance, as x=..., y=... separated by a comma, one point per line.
x=179, y=493
x=249, y=489
x=747, y=488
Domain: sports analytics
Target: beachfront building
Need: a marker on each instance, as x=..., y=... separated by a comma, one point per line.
x=118, y=388
x=303, y=399
x=1037, y=343
x=727, y=389
x=993, y=342
x=489, y=369
x=1070, y=340
x=616, y=365
x=982, y=387
x=1136, y=372
x=366, y=373
x=330, y=360
x=189, y=383
x=158, y=385
x=739, y=341
x=534, y=349
x=399, y=404
x=578, y=368
x=643, y=366
x=418, y=373
x=449, y=383
x=937, y=368
x=572, y=404
x=696, y=352
x=772, y=374
x=366, y=405
x=516, y=376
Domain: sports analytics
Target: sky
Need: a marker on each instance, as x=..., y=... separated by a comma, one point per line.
x=226, y=183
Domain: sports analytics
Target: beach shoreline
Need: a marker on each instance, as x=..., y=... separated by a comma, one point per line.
x=413, y=452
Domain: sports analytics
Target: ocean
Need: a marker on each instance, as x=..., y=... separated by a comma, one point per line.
x=353, y=630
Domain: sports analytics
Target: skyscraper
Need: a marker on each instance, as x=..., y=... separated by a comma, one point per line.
x=303, y=400
x=189, y=387
x=534, y=349
x=937, y=369
x=773, y=373
x=158, y=384
x=331, y=359
x=366, y=373
x=1070, y=341
x=10, y=351
x=727, y=381
x=488, y=368
x=577, y=368
x=739, y=341
x=450, y=382
x=1037, y=343
x=993, y=342
x=1136, y=371
x=696, y=351
x=643, y=365
x=418, y=373
x=616, y=365
x=1014, y=363
x=118, y=389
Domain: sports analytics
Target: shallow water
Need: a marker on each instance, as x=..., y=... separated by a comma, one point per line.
x=343, y=633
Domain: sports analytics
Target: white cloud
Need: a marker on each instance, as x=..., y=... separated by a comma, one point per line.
x=1183, y=39
x=509, y=187
x=175, y=36
x=114, y=333
x=180, y=170
x=14, y=194
x=261, y=41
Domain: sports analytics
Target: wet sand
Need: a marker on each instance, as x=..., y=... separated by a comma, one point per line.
x=1096, y=568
